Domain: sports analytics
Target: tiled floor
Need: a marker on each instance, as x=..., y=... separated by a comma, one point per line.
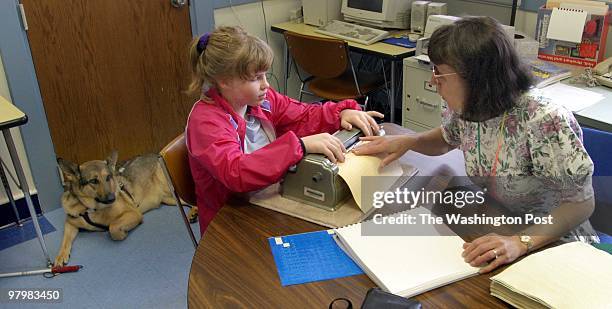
x=149, y=269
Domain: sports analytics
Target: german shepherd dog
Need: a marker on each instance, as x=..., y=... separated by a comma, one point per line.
x=100, y=197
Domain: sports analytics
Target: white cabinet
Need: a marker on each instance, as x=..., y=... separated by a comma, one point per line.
x=421, y=104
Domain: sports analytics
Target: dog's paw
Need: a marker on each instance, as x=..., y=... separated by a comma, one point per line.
x=118, y=234
x=61, y=259
x=193, y=215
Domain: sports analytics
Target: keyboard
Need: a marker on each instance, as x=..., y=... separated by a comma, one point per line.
x=353, y=32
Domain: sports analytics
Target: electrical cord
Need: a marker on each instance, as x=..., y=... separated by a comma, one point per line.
x=271, y=74
x=13, y=178
x=263, y=11
x=235, y=14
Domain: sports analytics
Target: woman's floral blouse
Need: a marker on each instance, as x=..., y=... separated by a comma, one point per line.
x=541, y=162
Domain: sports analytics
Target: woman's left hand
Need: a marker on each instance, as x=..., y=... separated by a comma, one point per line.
x=492, y=248
x=362, y=120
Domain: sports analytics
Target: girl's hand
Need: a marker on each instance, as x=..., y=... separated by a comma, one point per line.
x=326, y=144
x=495, y=249
x=362, y=120
x=394, y=145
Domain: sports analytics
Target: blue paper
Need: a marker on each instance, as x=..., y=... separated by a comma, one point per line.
x=310, y=257
x=403, y=42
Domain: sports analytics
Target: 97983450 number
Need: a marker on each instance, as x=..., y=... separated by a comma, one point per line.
x=31, y=295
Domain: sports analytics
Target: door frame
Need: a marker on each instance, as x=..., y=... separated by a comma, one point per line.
x=23, y=86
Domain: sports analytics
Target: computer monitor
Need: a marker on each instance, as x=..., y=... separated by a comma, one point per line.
x=378, y=13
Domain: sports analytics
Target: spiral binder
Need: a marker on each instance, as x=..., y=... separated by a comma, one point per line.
x=566, y=24
x=570, y=9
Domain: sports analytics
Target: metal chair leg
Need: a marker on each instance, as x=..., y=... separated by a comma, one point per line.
x=301, y=91
x=178, y=202
x=382, y=62
x=9, y=193
x=23, y=184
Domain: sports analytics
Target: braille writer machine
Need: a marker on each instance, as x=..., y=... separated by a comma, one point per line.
x=315, y=180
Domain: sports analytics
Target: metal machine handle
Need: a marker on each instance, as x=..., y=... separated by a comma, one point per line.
x=427, y=104
x=178, y=3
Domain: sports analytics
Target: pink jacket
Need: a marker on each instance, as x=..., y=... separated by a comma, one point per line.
x=215, y=140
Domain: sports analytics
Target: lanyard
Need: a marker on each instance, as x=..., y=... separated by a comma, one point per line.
x=500, y=141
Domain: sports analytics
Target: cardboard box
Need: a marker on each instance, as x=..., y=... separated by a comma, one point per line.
x=587, y=53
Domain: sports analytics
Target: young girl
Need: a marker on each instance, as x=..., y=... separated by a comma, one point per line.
x=242, y=135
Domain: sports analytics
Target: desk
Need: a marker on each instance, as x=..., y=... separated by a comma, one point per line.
x=10, y=117
x=233, y=265
x=598, y=115
x=385, y=51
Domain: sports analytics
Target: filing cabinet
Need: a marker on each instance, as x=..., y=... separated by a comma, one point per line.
x=421, y=104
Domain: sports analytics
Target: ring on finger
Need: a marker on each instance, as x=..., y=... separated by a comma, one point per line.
x=495, y=252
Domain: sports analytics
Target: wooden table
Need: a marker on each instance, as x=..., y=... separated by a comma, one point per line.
x=233, y=265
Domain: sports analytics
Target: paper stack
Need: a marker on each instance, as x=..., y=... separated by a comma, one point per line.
x=573, y=275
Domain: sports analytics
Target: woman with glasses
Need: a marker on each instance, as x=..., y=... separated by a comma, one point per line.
x=506, y=130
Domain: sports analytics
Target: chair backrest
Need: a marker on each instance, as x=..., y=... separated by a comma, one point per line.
x=177, y=162
x=320, y=57
x=598, y=145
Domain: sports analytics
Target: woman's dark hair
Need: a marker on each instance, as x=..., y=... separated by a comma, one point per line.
x=479, y=50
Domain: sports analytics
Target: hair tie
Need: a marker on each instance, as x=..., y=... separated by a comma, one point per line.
x=202, y=42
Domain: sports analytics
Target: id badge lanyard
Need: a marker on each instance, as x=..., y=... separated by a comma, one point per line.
x=500, y=142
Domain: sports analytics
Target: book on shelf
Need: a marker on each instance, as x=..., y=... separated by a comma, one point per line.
x=407, y=265
x=546, y=73
x=573, y=275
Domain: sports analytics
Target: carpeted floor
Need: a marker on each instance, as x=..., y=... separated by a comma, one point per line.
x=149, y=269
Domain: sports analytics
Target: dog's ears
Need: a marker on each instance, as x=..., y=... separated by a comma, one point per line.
x=111, y=161
x=69, y=169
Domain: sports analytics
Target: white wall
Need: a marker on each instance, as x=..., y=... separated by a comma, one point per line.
x=525, y=21
x=474, y=7
x=251, y=18
x=4, y=92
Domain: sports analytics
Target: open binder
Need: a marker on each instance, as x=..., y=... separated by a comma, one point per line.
x=407, y=265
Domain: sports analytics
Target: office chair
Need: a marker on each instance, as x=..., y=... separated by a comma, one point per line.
x=598, y=144
x=175, y=164
x=332, y=74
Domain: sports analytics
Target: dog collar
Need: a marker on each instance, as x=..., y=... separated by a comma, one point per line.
x=122, y=188
x=87, y=219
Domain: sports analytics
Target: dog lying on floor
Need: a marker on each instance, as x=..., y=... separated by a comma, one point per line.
x=100, y=197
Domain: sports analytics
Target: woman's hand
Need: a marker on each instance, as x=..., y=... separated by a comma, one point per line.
x=362, y=120
x=326, y=144
x=495, y=249
x=394, y=145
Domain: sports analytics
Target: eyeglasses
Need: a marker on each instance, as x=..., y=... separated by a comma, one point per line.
x=436, y=73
